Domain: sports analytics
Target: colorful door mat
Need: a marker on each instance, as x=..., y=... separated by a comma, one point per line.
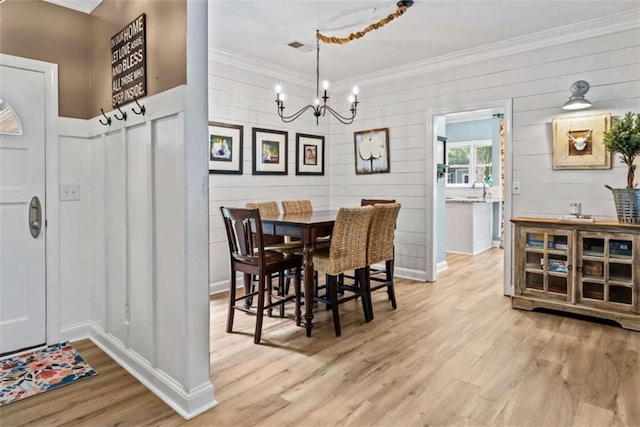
x=41, y=370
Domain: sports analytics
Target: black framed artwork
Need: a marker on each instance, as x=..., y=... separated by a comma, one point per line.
x=225, y=148
x=269, y=152
x=309, y=154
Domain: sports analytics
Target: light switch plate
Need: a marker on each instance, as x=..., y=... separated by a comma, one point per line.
x=69, y=192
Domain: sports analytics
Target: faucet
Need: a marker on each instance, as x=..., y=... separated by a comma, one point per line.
x=484, y=187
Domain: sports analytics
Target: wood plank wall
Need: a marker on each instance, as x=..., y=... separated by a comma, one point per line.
x=538, y=81
x=247, y=98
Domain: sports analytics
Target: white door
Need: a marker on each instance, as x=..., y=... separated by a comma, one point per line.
x=22, y=178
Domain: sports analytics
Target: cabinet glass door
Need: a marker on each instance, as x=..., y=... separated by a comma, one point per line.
x=547, y=265
x=606, y=270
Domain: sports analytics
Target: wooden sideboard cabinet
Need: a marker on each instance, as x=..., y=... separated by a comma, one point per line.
x=584, y=268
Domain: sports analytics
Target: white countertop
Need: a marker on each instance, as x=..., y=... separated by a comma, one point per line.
x=466, y=199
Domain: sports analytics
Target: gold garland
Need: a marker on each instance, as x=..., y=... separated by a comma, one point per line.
x=381, y=23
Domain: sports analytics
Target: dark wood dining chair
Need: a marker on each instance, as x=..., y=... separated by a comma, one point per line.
x=380, y=249
x=348, y=251
x=275, y=243
x=249, y=256
x=367, y=202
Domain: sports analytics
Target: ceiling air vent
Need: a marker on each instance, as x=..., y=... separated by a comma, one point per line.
x=300, y=46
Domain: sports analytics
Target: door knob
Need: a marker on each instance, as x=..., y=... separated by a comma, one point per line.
x=35, y=217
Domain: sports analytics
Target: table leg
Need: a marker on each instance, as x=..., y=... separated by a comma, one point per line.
x=307, y=252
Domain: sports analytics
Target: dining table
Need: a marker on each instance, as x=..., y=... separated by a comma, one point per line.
x=306, y=226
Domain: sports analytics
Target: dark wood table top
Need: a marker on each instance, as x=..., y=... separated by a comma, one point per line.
x=302, y=219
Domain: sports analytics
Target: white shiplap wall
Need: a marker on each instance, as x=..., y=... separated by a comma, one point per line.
x=534, y=74
x=245, y=96
x=538, y=81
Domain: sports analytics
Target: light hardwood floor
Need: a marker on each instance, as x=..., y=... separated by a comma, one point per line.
x=453, y=353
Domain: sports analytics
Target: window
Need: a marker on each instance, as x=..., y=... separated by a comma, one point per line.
x=468, y=162
x=9, y=123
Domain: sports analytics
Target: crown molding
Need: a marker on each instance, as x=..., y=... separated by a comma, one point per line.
x=609, y=24
x=84, y=6
x=573, y=32
x=259, y=66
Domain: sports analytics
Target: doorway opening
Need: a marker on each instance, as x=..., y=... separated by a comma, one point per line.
x=471, y=201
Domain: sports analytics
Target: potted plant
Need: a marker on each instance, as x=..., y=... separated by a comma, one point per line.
x=624, y=139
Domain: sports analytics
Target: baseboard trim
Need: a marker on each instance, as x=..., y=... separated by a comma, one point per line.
x=76, y=332
x=186, y=403
x=218, y=287
x=442, y=266
x=223, y=285
x=407, y=273
x=410, y=273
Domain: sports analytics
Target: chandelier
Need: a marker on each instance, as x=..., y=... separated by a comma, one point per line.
x=320, y=108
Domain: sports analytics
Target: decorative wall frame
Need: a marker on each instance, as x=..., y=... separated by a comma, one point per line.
x=309, y=154
x=371, y=149
x=225, y=148
x=269, y=152
x=578, y=142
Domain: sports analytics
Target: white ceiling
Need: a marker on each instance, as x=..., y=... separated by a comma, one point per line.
x=261, y=29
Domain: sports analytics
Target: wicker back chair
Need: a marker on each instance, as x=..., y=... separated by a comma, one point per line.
x=248, y=255
x=366, y=202
x=297, y=206
x=302, y=206
x=276, y=243
x=348, y=251
x=380, y=249
x=267, y=209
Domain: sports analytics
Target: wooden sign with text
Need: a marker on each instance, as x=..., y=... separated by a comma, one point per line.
x=129, y=62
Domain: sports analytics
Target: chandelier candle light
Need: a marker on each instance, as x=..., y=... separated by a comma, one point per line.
x=318, y=109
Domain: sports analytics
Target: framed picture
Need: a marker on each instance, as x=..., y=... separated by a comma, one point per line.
x=309, y=154
x=372, y=151
x=578, y=142
x=225, y=148
x=270, y=152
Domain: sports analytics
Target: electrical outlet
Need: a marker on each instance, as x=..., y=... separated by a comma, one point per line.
x=69, y=192
x=515, y=187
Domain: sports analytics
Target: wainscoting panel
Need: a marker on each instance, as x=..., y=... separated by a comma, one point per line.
x=140, y=260
x=136, y=282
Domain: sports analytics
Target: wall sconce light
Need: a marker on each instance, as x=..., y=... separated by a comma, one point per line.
x=577, y=101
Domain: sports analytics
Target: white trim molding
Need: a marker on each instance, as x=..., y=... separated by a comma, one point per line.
x=573, y=32
x=259, y=66
x=188, y=404
x=84, y=6
x=52, y=188
x=442, y=266
x=410, y=273
x=431, y=197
